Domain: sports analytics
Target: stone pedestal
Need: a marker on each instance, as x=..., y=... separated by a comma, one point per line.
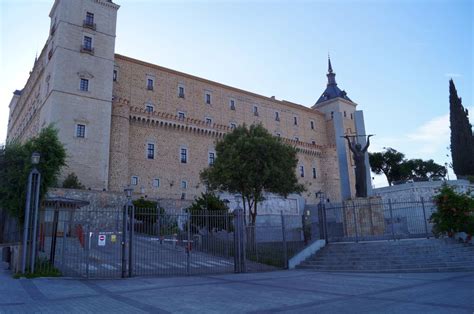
x=369, y=217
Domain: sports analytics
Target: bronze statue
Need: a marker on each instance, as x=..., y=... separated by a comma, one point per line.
x=358, y=153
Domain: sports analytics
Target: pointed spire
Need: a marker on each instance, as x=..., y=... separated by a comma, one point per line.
x=329, y=64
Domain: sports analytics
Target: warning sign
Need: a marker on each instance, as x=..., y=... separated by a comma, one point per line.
x=101, y=240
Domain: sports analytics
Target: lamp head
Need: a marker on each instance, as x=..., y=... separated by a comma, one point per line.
x=35, y=158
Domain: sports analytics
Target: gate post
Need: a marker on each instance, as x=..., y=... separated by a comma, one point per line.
x=124, y=242
x=391, y=218
x=188, y=246
x=239, y=241
x=131, y=236
x=355, y=222
x=424, y=217
x=285, y=249
x=89, y=236
x=26, y=226
x=36, y=184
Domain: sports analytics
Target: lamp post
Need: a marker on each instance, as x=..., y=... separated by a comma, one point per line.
x=129, y=208
x=322, y=214
x=32, y=198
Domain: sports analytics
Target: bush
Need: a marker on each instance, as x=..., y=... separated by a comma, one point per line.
x=455, y=213
x=209, y=211
x=72, y=182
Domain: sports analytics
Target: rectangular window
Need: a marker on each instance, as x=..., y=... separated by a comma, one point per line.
x=313, y=142
x=115, y=75
x=89, y=18
x=295, y=120
x=352, y=117
x=84, y=85
x=208, y=98
x=149, y=108
x=181, y=92
x=277, y=116
x=312, y=125
x=302, y=171
x=80, y=130
x=156, y=183
x=183, y=196
x=345, y=114
x=232, y=104
x=134, y=180
x=149, y=84
x=255, y=110
x=151, y=151
x=314, y=173
x=208, y=121
x=87, y=43
x=184, y=155
x=212, y=158
x=332, y=114
x=181, y=115
x=278, y=134
x=184, y=184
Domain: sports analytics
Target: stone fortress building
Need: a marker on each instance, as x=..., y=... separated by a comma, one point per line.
x=125, y=121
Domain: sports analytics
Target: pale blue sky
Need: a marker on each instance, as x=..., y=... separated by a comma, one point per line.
x=394, y=58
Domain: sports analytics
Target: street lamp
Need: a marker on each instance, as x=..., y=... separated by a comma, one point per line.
x=32, y=199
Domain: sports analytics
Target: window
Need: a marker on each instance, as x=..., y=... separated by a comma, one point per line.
x=181, y=92
x=150, y=151
x=149, y=84
x=277, y=116
x=314, y=173
x=184, y=184
x=332, y=114
x=181, y=115
x=184, y=155
x=134, y=180
x=84, y=85
x=208, y=98
x=208, y=121
x=278, y=134
x=149, y=108
x=352, y=117
x=233, y=125
x=89, y=19
x=156, y=183
x=295, y=120
x=212, y=158
x=183, y=196
x=345, y=114
x=255, y=110
x=313, y=142
x=80, y=130
x=232, y=104
x=312, y=125
x=87, y=45
x=297, y=139
x=115, y=75
x=302, y=171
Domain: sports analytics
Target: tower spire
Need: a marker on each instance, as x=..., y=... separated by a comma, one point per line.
x=329, y=64
x=331, y=75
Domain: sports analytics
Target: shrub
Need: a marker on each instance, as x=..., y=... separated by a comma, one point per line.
x=455, y=213
x=72, y=182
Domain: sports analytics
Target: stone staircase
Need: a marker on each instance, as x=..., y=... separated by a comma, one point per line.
x=413, y=255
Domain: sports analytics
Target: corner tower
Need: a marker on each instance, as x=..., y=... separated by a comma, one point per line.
x=341, y=113
x=79, y=79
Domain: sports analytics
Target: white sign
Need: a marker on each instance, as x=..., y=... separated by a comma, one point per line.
x=101, y=239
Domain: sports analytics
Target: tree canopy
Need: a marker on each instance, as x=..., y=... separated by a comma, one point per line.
x=462, y=139
x=395, y=167
x=15, y=166
x=250, y=161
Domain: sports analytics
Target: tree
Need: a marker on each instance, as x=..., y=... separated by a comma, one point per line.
x=15, y=166
x=424, y=170
x=462, y=139
x=390, y=163
x=210, y=212
x=72, y=182
x=250, y=161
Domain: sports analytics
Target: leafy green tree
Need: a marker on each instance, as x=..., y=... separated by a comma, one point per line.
x=15, y=166
x=455, y=213
x=424, y=170
x=250, y=161
x=209, y=211
x=462, y=139
x=72, y=182
x=389, y=162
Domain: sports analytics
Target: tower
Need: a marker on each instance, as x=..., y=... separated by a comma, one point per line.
x=79, y=78
x=346, y=120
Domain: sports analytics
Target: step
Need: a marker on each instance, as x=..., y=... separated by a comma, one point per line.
x=406, y=270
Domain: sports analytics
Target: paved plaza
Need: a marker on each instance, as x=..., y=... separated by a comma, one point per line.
x=269, y=292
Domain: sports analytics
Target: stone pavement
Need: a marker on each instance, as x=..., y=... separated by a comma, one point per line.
x=271, y=292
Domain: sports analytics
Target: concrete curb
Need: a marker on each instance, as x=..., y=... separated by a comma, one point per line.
x=305, y=253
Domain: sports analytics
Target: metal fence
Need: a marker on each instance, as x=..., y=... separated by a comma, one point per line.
x=122, y=242
x=373, y=219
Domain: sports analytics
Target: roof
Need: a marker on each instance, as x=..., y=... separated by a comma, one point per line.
x=332, y=91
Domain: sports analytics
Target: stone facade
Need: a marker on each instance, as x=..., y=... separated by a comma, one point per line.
x=130, y=105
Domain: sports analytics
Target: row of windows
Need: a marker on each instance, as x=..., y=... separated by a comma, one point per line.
x=135, y=180
x=302, y=172
x=183, y=154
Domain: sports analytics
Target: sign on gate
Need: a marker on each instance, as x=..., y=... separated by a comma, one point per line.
x=101, y=240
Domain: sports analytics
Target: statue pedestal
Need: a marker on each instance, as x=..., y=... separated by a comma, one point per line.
x=364, y=217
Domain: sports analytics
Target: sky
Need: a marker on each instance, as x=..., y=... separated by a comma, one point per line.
x=394, y=58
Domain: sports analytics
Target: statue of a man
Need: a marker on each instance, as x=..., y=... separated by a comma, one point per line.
x=358, y=153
